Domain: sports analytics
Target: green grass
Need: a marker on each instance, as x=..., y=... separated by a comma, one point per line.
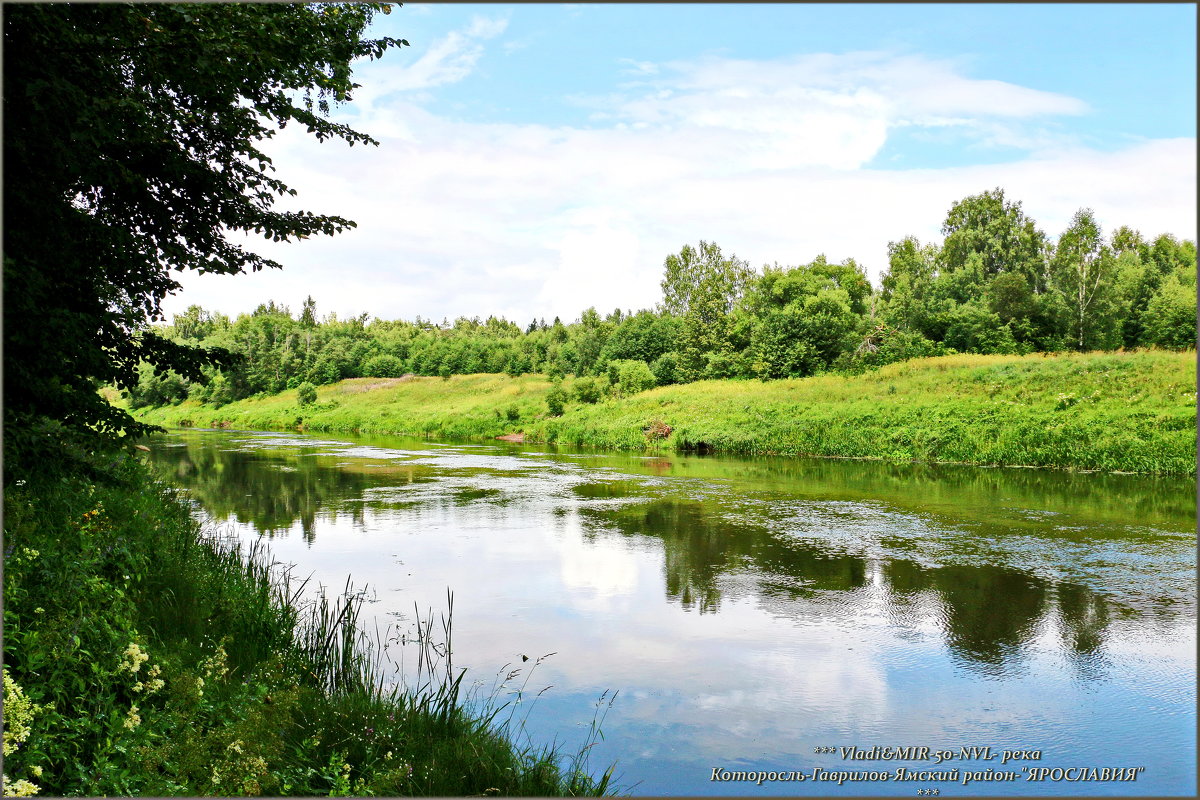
x=161, y=659
x=1131, y=412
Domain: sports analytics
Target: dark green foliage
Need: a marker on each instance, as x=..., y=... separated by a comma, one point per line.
x=643, y=336
x=130, y=150
x=556, y=399
x=1171, y=316
x=666, y=368
x=975, y=329
x=306, y=394
x=998, y=233
x=887, y=345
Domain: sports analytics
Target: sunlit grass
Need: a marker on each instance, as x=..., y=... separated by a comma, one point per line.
x=1107, y=411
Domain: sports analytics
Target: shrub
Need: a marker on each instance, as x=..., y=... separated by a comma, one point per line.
x=887, y=345
x=512, y=413
x=722, y=364
x=555, y=399
x=635, y=377
x=1171, y=317
x=587, y=390
x=657, y=430
x=666, y=368
x=306, y=393
x=383, y=366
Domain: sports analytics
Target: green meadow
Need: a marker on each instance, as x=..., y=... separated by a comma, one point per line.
x=1124, y=411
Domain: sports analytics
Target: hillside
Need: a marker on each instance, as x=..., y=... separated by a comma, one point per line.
x=1133, y=412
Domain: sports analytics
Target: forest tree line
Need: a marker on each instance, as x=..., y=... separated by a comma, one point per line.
x=995, y=284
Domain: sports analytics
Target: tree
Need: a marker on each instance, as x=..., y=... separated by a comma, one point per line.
x=131, y=149
x=906, y=286
x=1082, y=272
x=703, y=275
x=702, y=286
x=999, y=232
x=306, y=394
x=1171, y=315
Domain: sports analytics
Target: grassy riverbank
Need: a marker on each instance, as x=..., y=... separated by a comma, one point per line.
x=144, y=657
x=1132, y=412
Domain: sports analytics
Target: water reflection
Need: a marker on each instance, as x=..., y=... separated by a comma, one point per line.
x=798, y=539
x=750, y=609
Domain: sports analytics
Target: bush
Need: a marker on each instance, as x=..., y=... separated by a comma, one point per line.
x=657, y=430
x=556, y=398
x=887, y=345
x=1171, y=317
x=383, y=366
x=588, y=390
x=306, y=393
x=666, y=368
x=975, y=329
x=722, y=364
x=512, y=413
x=632, y=376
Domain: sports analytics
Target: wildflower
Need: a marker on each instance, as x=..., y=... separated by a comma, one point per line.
x=30, y=553
x=21, y=788
x=217, y=663
x=18, y=713
x=39, y=610
x=136, y=657
x=216, y=776
x=133, y=719
x=37, y=771
x=235, y=746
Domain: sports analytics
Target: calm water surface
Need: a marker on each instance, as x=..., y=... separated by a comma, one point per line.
x=750, y=611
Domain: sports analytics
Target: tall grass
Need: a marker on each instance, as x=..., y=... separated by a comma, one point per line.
x=1132, y=412
x=165, y=659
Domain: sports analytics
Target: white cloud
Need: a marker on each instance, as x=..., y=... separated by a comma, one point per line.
x=448, y=60
x=769, y=159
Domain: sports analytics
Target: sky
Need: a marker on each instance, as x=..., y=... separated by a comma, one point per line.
x=538, y=160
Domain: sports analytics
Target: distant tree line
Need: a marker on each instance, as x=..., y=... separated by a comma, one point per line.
x=995, y=284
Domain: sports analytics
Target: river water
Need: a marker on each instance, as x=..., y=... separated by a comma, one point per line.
x=761, y=614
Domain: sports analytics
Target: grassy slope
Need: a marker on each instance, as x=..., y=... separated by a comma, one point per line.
x=1110, y=411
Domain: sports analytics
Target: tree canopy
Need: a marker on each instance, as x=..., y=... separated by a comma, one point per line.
x=131, y=150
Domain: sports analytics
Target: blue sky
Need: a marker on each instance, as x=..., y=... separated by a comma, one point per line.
x=539, y=159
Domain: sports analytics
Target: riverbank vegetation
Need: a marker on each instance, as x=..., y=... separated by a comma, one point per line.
x=1130, y=412
x=143, y=656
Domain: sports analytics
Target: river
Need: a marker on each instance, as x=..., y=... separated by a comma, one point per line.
x=758, y=615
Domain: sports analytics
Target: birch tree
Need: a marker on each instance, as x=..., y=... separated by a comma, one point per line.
x=1082, y=272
